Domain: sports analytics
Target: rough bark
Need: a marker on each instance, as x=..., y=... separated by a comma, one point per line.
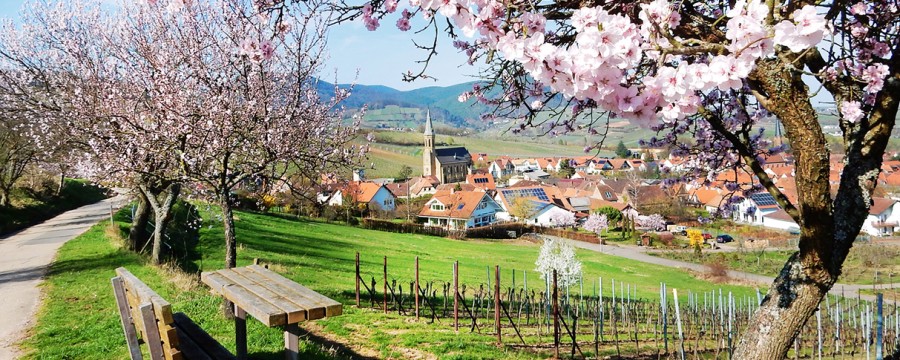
x=162, y=214
x=828, y=227
x=61, y=184
x=137, y=235
x=4, y=196
x=228, y=223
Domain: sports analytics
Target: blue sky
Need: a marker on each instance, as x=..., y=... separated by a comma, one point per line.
x=379, y=57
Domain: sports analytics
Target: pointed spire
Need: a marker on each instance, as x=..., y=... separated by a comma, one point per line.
x=428, y=127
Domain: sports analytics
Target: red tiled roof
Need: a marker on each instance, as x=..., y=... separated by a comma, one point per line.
x=457, y=205
x=879, y=205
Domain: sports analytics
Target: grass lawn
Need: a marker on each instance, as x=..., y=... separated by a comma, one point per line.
x=864, y=260
x=79, y=320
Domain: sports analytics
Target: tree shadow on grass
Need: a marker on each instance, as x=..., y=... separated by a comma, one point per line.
x=106, y=262
x=321, y=349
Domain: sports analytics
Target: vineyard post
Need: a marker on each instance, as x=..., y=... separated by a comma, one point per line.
x=665, y=316
x=497, y=302
x=879, y=326
x=868, y=330
x=456, y=296
x=555, y=317
x=357, y=279
x=819, y=332
x=678, y=320
x=730, y=324
x=417, y=287
x=600, y=305
x=384, y=304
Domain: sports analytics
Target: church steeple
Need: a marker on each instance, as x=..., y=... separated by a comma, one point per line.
x=428, y=151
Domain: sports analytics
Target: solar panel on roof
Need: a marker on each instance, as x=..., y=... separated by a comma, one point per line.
x=538, y=193
x=481, y=180
x=763, y=199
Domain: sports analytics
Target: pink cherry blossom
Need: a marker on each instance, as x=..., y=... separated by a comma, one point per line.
x=850, y=111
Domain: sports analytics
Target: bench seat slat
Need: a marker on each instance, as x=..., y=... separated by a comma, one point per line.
x=153, y=316
x=254, y=305
x=298, y=292
x=296, y=310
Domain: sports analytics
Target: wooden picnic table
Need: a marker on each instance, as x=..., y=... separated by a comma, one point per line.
x=272, y=299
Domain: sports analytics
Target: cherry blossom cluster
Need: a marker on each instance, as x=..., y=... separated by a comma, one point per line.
x=602, y=65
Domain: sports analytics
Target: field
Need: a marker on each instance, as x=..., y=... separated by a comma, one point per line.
x=393, y=149
x=78, y=319
x=864, y=261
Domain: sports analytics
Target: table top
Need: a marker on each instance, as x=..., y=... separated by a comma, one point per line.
x=269, y=297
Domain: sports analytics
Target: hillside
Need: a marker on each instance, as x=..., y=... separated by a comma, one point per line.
x=392, y=109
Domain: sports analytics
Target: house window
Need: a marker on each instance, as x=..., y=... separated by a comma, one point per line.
x=388, y=202
x=607, y=194
x=482, y=205
x=437, y=207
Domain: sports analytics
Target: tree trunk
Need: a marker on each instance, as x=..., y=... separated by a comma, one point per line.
x=228, y=222
x=137, y=235
x=791, y=300
x=4, y=197
x=162, y=214
x=62, y=183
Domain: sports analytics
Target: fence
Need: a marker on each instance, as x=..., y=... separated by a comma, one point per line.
x=615, y=320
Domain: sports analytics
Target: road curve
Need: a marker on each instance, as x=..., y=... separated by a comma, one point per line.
x=26, y=256
x=639, y=254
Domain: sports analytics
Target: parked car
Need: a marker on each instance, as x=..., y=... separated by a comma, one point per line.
x=707, y=236
x=724, y=238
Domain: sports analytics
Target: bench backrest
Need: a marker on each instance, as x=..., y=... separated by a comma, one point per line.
x=143, y=309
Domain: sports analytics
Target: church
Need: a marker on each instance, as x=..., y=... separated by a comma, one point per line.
x=447, y=164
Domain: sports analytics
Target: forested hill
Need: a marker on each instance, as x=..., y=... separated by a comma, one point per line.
x=392, y=108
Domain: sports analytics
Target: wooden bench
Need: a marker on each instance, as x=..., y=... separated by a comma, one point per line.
x=168, y=336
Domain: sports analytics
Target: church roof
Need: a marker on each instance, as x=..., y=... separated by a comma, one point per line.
x=452, y=155
x=428, y=126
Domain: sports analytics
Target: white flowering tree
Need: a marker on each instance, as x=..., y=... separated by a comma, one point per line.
x=559, y=255
x=563, y=219
x=654, y=222
x=708, y=71
x=213, y=93
x=596, y=223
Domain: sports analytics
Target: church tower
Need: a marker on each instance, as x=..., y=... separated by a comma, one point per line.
x=428, y=151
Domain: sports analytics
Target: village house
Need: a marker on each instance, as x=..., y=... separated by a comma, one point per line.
x=458, y=210
x=501, y=167
x=780, y=220
x=751, y=209
x=483, y=181
x=373, y=196
x=883, y=218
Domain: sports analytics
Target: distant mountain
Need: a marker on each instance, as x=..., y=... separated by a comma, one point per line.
x=392, y=108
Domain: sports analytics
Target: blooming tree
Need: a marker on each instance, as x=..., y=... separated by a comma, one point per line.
x=708, y=71
x=563, y=219
x=653, y=222
x=559, y=255
x=214, y=93
x=596, y=223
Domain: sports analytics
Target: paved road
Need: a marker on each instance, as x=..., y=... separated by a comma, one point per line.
x=25, y=258
x=639, y=254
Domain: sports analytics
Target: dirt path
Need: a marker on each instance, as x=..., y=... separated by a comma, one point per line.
x=639, y=254
x=25, y=258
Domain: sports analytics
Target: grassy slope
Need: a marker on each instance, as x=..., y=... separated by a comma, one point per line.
x=79, y=319
x=27, y=211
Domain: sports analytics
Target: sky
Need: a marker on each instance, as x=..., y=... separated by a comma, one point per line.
x=371, y=57
x=381, y=57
